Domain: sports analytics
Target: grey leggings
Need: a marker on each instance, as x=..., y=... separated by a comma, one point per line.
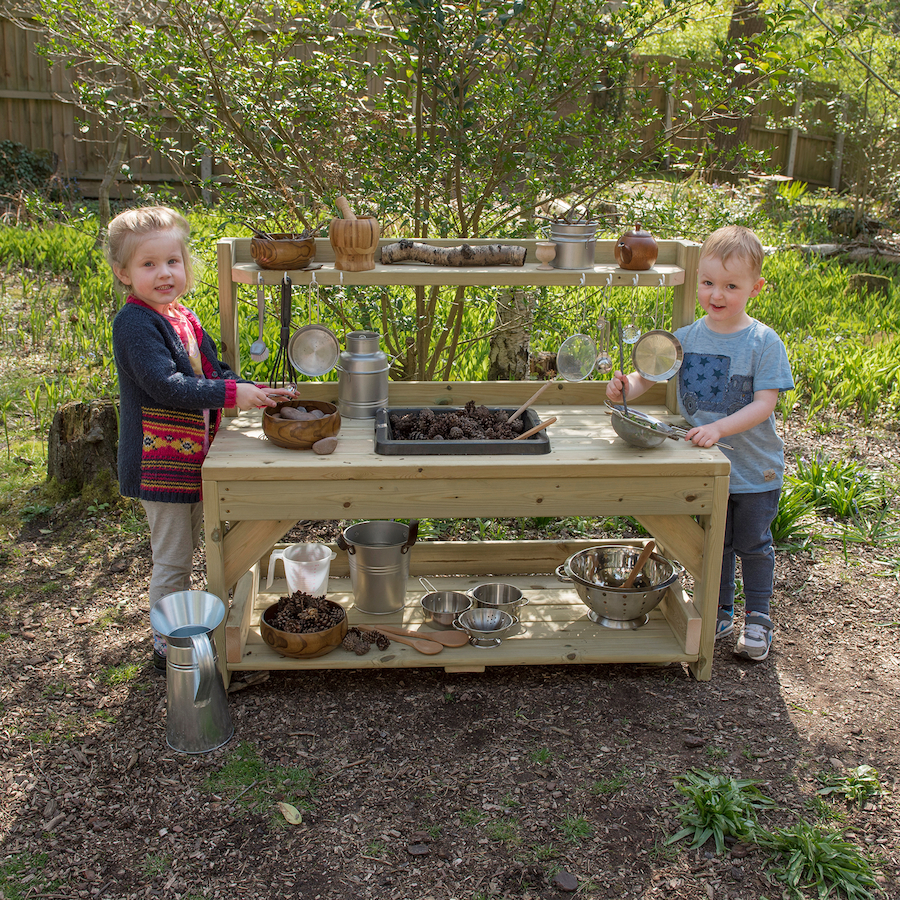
x=748, y=536
x=174, y=535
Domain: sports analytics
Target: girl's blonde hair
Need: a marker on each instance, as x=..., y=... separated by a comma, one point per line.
x=735, y=240
x=126, y=230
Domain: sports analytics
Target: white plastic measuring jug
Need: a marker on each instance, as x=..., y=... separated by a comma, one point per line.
x=306, y=567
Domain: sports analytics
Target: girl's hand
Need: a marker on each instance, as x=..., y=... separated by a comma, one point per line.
x=252, y=396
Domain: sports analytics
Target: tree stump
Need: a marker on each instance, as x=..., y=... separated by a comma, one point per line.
x=866, y=283
x=83, y=443
x=509, y=340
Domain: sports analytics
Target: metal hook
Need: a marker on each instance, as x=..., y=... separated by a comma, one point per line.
x=635, y=282
x=608, y=280
x=662, y=280
x=259, y=278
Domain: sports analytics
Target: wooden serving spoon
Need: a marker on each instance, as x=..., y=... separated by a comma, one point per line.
x=641, y=562
x=429, y=648
x=539, y=427
x=447, y=639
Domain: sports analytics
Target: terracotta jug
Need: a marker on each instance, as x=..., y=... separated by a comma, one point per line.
x=636, y=250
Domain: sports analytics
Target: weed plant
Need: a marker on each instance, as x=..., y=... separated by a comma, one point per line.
x=718, y=807
x=809, y=858
x=857, y=787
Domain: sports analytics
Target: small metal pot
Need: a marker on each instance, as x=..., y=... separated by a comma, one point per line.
x=597, y=572
x=442, y=607
x=505, y=597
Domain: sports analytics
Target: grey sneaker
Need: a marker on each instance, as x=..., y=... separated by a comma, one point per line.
x=756, y=638
x=724, y=622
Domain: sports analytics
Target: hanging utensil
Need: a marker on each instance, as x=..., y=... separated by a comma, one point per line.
x=314, y=349
x=576, y=357
x=622, y=365
x=604, y=363
x=259, y=352
x=632, y=332
x=281, y=371
x=657, y=355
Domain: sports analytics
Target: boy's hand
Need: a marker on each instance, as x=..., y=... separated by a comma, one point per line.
x=705, y=435
x=614, y=387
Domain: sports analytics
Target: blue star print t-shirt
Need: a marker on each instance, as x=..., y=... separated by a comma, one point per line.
x=718, y=377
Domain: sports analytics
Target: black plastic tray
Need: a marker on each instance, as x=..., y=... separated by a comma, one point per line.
x=386, y=445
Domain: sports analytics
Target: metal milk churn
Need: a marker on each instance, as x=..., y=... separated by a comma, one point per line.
x=197, y=716
x=363, y=383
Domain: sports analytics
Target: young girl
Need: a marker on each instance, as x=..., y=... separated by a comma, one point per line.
x=172, y=390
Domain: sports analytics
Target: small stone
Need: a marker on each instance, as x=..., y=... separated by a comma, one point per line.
x=417, y=850
x=565, y=881
x=325, y=446
x=694, y=741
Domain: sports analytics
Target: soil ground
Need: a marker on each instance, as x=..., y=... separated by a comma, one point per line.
x=516, y=783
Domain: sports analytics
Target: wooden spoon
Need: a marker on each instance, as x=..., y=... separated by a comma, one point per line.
x=539, y=427
x=447, y=639
x=528, y=402
x=429, y=648
x=641, y=562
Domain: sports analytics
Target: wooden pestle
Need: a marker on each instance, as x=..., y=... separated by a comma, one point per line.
x=344, y=208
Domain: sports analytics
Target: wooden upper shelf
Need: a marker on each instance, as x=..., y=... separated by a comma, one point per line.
x=669, y=269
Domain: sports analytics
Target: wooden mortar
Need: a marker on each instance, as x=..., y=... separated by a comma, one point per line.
x=353, y=239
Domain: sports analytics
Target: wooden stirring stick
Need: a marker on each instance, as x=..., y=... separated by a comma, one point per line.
x=641, y=562
x=528, y=402
x=539, y=427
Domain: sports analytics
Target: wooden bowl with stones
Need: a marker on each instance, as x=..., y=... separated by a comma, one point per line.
x=299, y=424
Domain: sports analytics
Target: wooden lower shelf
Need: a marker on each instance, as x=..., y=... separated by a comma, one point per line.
x=554, y=630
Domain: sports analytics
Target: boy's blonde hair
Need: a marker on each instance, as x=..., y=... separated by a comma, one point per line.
x=126, y=230
x=735, y=240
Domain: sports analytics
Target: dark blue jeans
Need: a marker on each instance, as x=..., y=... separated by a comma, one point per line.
x=748, y=535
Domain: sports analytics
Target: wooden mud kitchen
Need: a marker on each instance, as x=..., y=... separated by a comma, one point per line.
x=255, y=492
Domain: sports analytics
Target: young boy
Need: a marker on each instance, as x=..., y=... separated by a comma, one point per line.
x=728, y=385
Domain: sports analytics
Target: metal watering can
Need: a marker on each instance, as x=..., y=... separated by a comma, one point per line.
x=197, y=716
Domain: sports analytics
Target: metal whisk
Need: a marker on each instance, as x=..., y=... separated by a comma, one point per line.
x=282, y=372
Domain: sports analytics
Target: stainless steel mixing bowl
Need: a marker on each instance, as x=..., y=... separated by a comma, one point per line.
x=598, y=572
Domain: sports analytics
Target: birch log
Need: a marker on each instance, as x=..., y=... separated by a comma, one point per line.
x=464, y=255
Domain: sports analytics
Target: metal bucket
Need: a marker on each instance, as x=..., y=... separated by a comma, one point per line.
x=575, y=244
x=379, y=563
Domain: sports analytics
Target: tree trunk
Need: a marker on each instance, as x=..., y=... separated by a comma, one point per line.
x=83, y=443
x=733, y=128
x=509, y=341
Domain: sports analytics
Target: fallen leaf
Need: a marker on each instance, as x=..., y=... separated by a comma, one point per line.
x=291, y=813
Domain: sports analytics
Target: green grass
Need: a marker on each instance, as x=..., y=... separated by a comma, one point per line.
x=505, y=830
x=121, y=674
x=611, y=784
x=251, y=784
x=575, y=829
x=470, y=818
x=541, y=756
x=22, y=876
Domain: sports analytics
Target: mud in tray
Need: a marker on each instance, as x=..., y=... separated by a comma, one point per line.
x=387, y=445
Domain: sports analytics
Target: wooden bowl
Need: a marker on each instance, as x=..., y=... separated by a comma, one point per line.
x=354, y=242
x=294, y=435
x=283, y=251
x=302, y=646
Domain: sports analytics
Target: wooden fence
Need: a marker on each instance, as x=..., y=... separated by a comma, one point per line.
x=37, y=109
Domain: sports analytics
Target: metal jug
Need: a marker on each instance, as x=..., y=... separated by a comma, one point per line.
x=363, y=383
x=197, y=716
